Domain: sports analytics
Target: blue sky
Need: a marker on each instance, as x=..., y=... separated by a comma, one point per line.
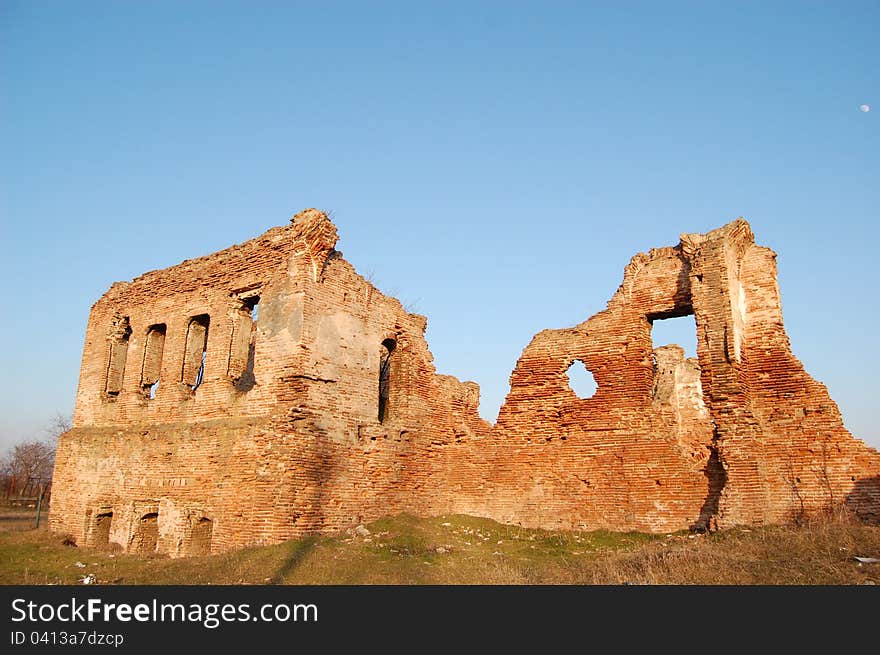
x=493, y=165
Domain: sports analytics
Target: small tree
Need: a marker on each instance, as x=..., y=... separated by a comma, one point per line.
x=59, y=424
x=28, y=464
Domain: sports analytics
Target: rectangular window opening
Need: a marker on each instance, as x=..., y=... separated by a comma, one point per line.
x=675, y=331
x=674, y=355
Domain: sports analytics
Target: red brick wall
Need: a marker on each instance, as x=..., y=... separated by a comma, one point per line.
x=745, y=436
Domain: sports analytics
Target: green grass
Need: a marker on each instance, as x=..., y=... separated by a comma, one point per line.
x=467, y=550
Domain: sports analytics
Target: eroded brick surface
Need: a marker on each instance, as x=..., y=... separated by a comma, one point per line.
x=234, y=399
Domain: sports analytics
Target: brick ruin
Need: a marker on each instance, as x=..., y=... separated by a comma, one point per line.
x=268, y=391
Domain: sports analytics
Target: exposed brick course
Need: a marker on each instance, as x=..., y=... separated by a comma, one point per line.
x=265, y=422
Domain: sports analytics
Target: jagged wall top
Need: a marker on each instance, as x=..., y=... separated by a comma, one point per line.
x=316, y=238
x=738, y=233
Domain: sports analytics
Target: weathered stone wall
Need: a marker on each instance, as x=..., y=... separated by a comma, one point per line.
x=282, y=431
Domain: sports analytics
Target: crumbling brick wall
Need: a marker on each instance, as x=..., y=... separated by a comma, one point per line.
x=269, y=391
x=778, y=433
x=297, y=448
x=754, y=440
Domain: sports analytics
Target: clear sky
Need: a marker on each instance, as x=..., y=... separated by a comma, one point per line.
x=492, y=164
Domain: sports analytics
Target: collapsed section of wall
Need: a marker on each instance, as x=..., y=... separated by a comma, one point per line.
x=634, y=456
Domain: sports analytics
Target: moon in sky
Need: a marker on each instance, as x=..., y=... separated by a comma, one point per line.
x=864, y=108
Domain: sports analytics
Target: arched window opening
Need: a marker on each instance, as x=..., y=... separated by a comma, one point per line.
x=101, y=530
x=196, y=351
x=200, y=537
x=152, y=366
x=146, y=534
x=244, y=343
x=385, y=352
x=119, y=338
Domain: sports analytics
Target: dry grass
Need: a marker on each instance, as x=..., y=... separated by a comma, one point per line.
x=821, y=552
x=468, y=550
x=14, y=519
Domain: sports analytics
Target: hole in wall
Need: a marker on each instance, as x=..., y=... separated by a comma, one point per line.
x=581, y=380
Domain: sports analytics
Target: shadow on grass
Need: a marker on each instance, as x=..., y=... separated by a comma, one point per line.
x=299, y=551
